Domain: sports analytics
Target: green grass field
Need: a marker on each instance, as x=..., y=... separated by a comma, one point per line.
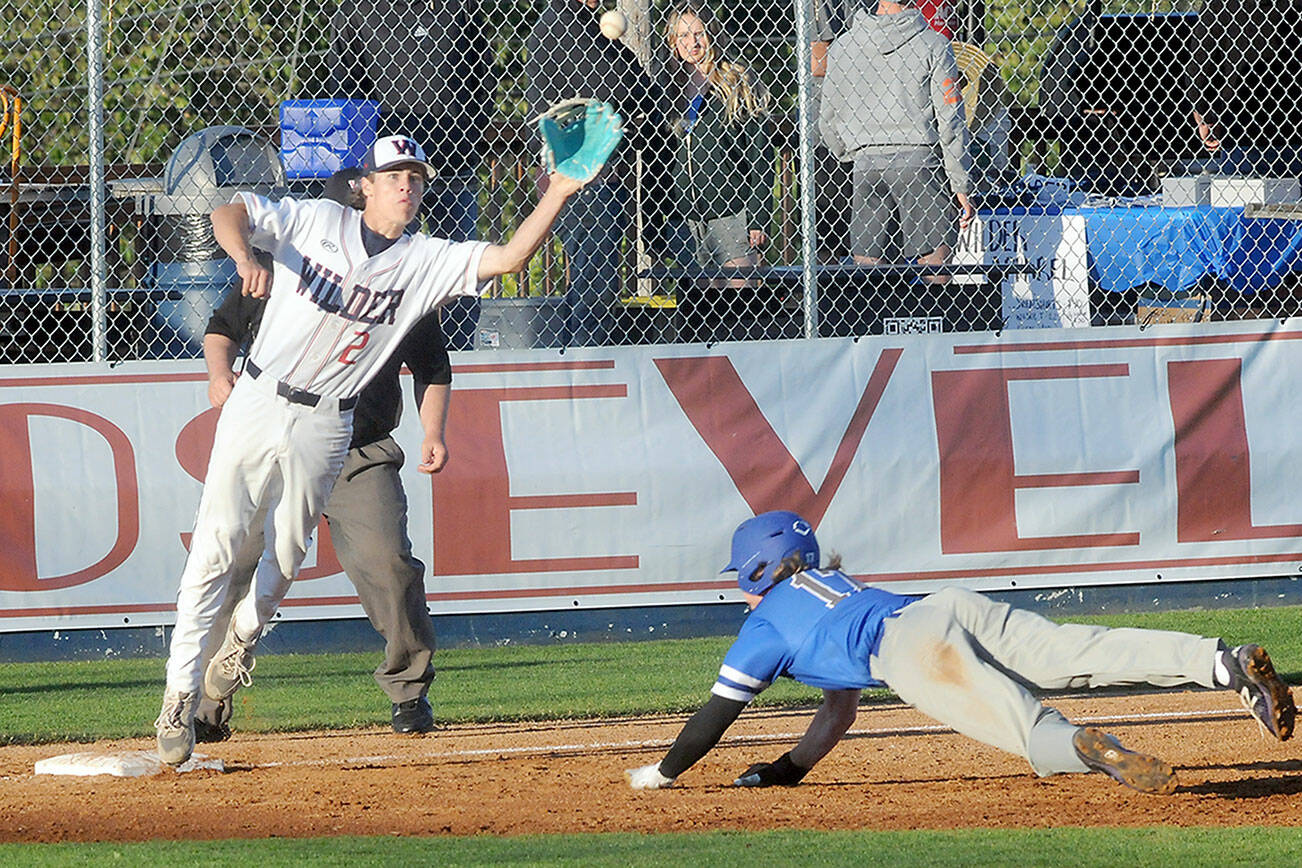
x=1051, y=848
x=58, y=702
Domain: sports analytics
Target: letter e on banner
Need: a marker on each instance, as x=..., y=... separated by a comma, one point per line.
x=472, y=499
x=978, y=476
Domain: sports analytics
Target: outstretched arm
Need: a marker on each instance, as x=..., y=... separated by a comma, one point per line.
x=701, y=733
x=833, y=718
x=579, y=136
x=516, y=253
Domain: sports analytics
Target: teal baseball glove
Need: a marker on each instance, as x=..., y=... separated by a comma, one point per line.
x=579, y=135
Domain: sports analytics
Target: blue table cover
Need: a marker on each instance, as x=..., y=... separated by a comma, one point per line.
x=1174, y=247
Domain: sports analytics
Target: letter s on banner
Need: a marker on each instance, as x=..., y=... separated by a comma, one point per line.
x=18, y=490
x=194, y=448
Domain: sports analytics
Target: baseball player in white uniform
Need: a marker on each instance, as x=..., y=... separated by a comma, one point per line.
x=344, y=288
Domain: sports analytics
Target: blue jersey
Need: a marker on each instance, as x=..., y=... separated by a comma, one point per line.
x=819, y=627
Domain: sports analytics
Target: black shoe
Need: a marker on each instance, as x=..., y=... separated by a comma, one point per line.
x=413, y=717
x=212, y=722
x=1262, y=692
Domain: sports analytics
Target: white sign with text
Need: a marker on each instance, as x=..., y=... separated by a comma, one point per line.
x=1045, y=249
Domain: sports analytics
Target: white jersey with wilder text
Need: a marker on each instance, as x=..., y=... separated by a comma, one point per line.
x=334, y=314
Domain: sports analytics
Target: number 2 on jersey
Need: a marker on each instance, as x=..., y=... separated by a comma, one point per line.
x=348, y=356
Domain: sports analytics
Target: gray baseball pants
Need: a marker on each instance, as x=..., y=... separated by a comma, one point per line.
x=968, y=662
x=367, y=512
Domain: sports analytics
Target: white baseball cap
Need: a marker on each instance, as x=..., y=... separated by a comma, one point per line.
x=391, y=151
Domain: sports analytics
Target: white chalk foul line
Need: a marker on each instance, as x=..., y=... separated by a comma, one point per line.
x=648, y=744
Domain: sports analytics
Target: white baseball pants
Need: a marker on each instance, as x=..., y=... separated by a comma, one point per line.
x=270, y=457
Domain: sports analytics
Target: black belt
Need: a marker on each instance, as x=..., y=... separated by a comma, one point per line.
x=298, y=396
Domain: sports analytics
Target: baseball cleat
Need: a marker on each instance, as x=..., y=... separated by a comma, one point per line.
x=230, y=668
x=1103, y=753
x=175, y=727
x=413, y=717
x=1262, y=692
x=212, y=720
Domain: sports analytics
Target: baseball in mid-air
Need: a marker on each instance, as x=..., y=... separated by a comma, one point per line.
x=613, y=24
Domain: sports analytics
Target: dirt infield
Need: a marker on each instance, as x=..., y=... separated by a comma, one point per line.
x=896, y=770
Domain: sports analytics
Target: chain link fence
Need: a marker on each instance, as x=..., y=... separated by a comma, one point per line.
x=790, y=170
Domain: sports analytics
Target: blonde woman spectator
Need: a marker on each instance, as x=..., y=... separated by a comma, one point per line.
x=723, y=167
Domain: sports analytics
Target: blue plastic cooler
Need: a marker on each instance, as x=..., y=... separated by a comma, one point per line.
x=318, y=137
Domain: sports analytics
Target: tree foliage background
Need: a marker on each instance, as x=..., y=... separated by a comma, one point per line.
x=173, y=68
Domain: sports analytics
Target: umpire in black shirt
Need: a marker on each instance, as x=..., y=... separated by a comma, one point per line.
x=367, y=509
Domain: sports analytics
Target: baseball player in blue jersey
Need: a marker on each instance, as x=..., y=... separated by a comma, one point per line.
x=954, y=655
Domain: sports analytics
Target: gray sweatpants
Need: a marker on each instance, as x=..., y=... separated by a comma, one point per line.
x=968, y=662
x=367, y=512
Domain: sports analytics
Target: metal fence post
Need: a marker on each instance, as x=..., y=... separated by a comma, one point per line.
x=95, y=159
x=807, y=130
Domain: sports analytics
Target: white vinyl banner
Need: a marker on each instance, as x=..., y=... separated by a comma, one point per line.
x=614, y=476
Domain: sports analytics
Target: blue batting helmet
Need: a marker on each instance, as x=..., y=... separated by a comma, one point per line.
x=766, y=541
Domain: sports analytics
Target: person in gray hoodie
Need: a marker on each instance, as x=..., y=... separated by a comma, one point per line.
x=892, y=106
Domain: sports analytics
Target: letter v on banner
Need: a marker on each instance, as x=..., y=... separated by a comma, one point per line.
x=725, y=414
